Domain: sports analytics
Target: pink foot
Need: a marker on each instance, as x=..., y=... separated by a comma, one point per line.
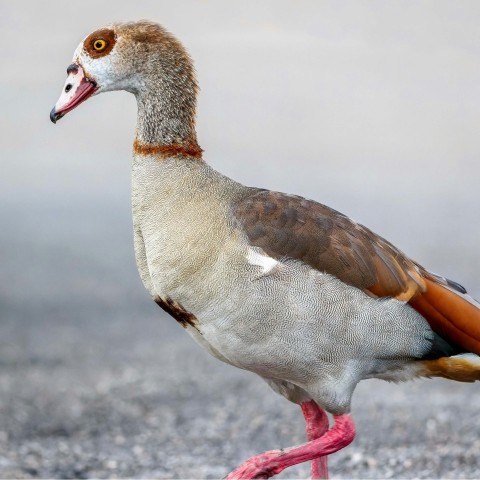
x=260, y=466
x=317, y=425
x=270, y=463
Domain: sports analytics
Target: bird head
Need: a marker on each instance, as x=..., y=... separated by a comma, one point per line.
x=136, y=56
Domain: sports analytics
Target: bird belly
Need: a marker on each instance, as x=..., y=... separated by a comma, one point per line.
x=288, y=322
x=300, y=325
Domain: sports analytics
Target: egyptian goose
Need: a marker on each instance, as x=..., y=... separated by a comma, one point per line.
x=272, y=283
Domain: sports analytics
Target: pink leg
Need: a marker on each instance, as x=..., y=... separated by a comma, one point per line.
x=270, y=463
x=317, y=425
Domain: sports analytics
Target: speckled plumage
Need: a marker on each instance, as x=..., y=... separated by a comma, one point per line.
x=293, y=324
x=268, y=282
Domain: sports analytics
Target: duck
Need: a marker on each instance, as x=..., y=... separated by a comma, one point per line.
x=273, y=283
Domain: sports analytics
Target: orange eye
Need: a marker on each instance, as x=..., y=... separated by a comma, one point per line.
x=99, y=44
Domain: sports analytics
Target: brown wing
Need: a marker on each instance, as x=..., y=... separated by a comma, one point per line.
x=288, y=226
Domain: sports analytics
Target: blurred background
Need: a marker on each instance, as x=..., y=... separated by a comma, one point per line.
x=370, y=107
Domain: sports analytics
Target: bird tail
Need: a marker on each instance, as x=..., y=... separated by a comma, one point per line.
x=450, y=311
x=463, y=368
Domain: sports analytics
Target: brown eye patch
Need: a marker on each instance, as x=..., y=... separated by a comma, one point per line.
x=100, y=43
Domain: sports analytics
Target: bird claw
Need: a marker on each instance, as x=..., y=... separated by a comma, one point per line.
x=265, y=465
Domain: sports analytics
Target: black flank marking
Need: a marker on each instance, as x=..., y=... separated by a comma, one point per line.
x=182, y=316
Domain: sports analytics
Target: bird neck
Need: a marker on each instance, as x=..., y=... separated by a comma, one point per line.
x=166, y=119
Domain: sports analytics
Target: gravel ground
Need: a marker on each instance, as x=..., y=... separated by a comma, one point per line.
x=137, y=400
x=96, y=382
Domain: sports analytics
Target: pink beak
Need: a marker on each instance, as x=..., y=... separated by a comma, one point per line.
x=77, y=89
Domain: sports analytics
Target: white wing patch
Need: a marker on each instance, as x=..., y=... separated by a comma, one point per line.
x=267, y=263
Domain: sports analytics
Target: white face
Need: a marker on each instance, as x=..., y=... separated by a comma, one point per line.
x=98, y=66
x=102, y=70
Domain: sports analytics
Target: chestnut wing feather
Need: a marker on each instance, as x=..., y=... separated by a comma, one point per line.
x=289, y=226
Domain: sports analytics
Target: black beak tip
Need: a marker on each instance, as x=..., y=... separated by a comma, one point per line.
x=54, y=116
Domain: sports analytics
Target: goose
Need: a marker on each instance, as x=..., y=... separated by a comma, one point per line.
x=273, y=283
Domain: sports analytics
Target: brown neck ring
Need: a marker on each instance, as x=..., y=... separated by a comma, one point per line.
x=191, y=150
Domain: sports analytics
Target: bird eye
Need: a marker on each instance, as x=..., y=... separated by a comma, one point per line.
x=99, y=45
